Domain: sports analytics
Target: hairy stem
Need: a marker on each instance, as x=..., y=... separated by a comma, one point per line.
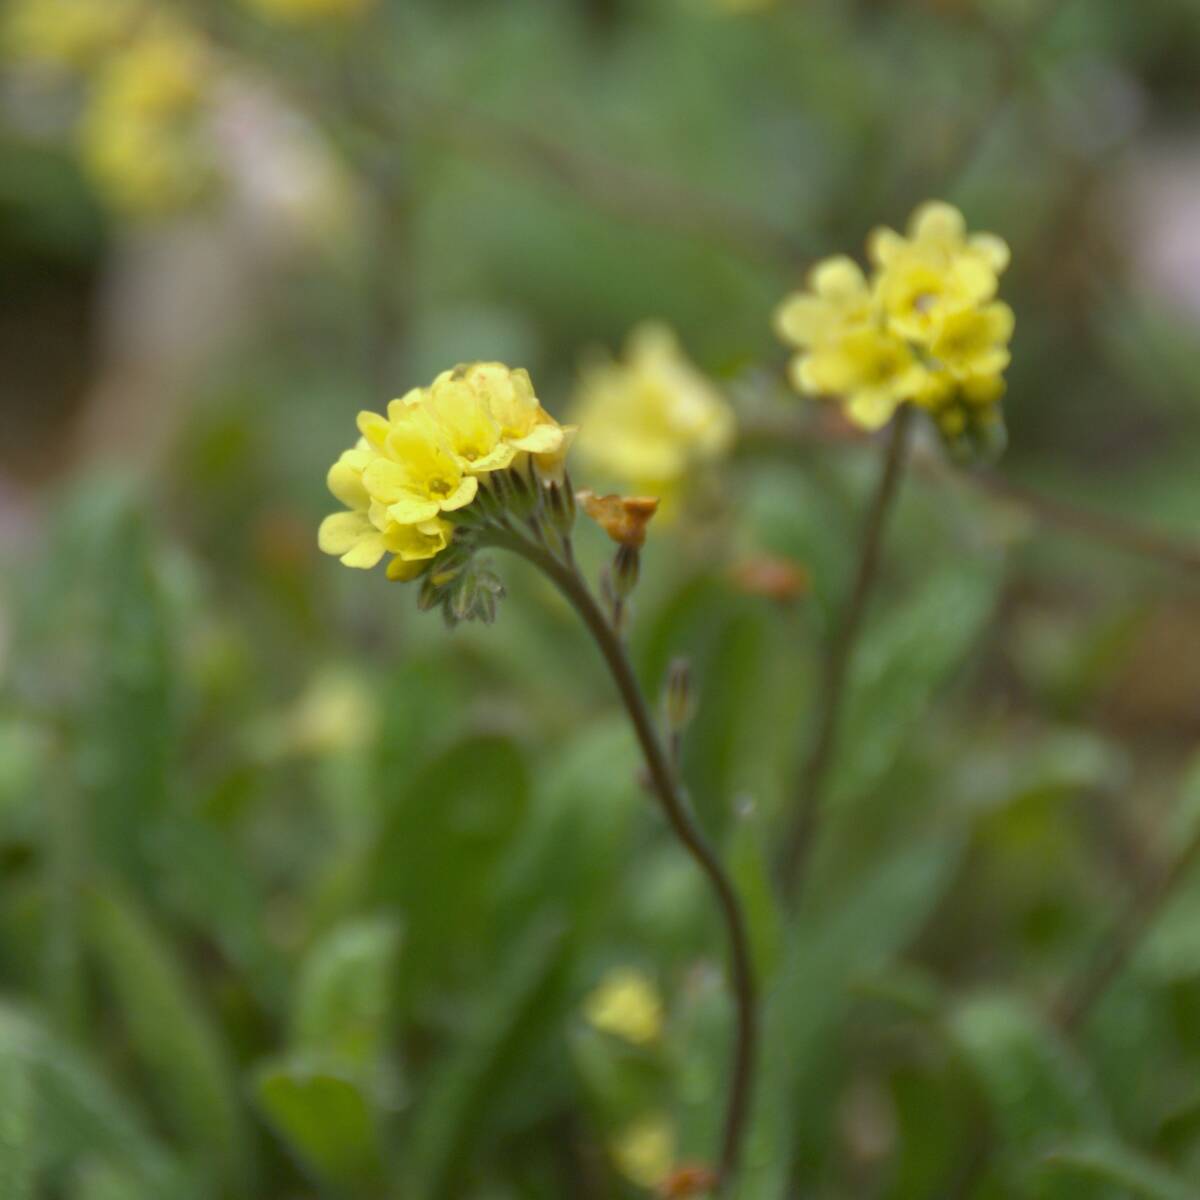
x=838, y=660
x=682, y=821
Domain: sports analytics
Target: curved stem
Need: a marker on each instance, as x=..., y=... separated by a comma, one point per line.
x=679, y=815
x=837, y=662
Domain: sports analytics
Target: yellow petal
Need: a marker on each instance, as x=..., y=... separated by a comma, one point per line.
x=345, y=482
x=992, y=249
x=836, y=278
x=462, y=495
x=385, y=480
x=871, y=410
x=340, y=531
x=541, y=439
x=411, y=510
x=400, y=571
x=373, y=427
x=938, y=222
x=884, y=245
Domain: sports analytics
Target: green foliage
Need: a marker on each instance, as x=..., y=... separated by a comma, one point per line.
x=265, y=937
x=327, y=1121
x=168, y=1030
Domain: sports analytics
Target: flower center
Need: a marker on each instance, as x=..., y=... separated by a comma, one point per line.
x=439, y=487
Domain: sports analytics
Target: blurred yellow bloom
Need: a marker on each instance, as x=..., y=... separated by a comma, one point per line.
x=645, y=1151
x=299, y=11
x=838, y=299
x=873, y=369
x=974, y=342
x=626, y=1004
x=68, y=34
x=648, y=420
x=937, y=270
x=337, y=712
x=141, y=132
x=924, y=328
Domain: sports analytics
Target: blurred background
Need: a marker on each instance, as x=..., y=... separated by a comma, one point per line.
x=302, y=895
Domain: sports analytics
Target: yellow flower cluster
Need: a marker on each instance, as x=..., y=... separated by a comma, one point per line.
x=146, y=79
x=417, y=467
x=649, y=420
x=299, y=11
x=925, y=327
x=141, y=132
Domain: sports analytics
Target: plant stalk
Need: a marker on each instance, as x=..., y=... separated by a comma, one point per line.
x=836, y=670
x=571, y=584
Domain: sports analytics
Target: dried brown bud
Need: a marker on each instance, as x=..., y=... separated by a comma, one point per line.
x=623, y=518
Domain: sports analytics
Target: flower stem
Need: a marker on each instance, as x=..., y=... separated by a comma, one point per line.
x=676, y=809
x=814, y=774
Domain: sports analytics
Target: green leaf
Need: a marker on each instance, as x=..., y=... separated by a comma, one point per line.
x=169, y=1032
x=210, y=886
x=575, y=844
x=346, y=989
x=751, y=871
x=438, y=856
x=1108, y=1161
x=1034, y=1086
x=903, y=658
x=327, y=1119
x=809, y=1003
x=131, y=727
x=78, y=1114
x=17, y=1156
x=103, y=1180
x=470, y=1080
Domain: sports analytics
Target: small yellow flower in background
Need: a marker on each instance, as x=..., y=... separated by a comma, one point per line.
x=67, y=34
x=644, y=1152
x=924, y=328
x=415, y=472
x=627, y=1005
x=301, y=11
x=651, y=418
x=336, y=713
x=142, y=133
x=873, y=369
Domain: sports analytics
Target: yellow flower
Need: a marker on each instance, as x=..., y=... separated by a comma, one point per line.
x=871, y=369
x=141, y=132
x=644, y=1152
x=416, y=476
x=650, y=419
x=462, y=414
x=627, y=1005
x=924, y=328
x=937, y=270
x=361, y=536
x=67, y=33
x=838, y=299
x=974, y=341
x=300, y=11
x=472, y=434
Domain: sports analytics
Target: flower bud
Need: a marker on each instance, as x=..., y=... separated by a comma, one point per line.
x=678, y=697
x=626, y=569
